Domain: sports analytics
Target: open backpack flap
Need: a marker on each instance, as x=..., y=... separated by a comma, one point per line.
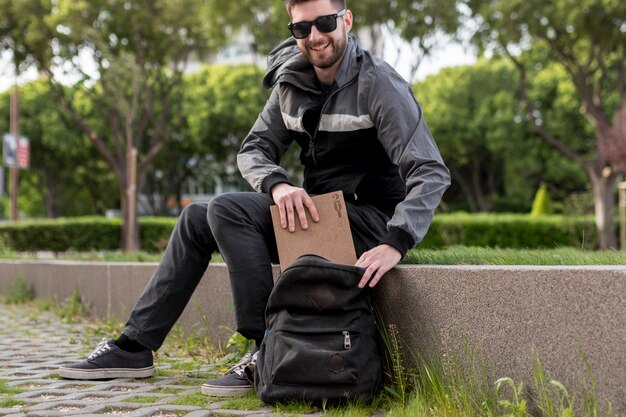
x=320, y=343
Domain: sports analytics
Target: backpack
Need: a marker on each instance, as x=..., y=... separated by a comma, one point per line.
x=320, y=342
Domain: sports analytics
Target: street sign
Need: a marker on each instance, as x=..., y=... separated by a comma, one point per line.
x=15, y=152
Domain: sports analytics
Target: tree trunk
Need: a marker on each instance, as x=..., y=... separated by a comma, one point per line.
x=130, y=227
x=466, y=189
x=603, y=181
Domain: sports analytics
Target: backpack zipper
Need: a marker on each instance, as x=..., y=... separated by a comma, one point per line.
x=347, y=343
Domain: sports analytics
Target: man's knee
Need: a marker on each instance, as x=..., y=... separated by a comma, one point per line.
x=193, y=213
x=221, y=205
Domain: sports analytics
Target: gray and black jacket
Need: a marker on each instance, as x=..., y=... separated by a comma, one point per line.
x=366, y=137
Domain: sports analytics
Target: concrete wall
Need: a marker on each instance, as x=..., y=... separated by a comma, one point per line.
x=504, y=313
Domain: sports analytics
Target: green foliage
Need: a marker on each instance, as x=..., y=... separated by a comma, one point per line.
x=541, y=203
x=65, y=174
x=466, y=255
x=196, y=399
x=6, y=390
x=515, y=407
x=144, y=399
x=510, y=231
x=80, y=234
x=72, y=309
x=85, y=233
x=495, y=159
x=20, y=292
x=397, y=377
x=248, y=402
x=10, y=402
x=484, y=230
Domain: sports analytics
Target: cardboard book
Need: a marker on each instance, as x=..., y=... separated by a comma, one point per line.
x=330, y=237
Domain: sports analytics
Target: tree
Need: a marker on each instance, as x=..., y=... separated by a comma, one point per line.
x=420, y=23
x=495, y=159
x=18, y=26
x=465, y=108
x=220, y=104
x=263, y=22
x=65, y=175
x=587, y=39
x=20, y=32
x=139, y=50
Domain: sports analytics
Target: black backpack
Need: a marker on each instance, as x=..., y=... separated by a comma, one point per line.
x=320, y=343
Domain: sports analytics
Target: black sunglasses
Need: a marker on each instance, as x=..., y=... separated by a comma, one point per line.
x=324, y=24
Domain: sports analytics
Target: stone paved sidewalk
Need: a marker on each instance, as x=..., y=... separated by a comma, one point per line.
x=32, y=346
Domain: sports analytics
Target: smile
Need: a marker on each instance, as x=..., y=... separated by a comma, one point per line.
x=318, y=48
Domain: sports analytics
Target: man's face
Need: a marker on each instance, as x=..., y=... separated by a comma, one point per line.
x=322, y=49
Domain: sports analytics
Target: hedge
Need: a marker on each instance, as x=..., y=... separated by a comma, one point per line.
x=486, y=230
x=82, y=234
x=519, y=231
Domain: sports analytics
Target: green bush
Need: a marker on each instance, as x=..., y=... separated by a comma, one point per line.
x=511, y=231
x=81, y=234
x=20, y=292
x=486, y=230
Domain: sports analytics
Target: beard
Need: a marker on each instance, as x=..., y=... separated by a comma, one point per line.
x=328, y=56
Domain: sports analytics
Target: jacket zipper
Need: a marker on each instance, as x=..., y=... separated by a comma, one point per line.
x=317, y=127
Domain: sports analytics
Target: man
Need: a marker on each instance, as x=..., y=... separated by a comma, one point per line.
x=360, y=130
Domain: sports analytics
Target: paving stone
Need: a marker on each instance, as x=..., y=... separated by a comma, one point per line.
x=34, y=344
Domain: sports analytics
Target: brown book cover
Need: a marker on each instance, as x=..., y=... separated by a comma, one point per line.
x=330, y=237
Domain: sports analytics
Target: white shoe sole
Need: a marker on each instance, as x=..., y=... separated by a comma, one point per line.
x=221, y=391
x=106, y=373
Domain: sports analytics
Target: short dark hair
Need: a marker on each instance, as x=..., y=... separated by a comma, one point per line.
x=339, y=4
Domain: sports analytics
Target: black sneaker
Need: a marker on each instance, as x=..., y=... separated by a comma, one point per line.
x=237, y=381
x=108, y=361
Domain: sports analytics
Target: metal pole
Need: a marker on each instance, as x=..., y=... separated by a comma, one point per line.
x=15, y=130
x=622, y=214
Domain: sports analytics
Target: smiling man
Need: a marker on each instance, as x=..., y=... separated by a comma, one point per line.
x=360, y=131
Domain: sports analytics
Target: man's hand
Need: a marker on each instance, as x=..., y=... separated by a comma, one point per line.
x=376, y=262
x=291, y=201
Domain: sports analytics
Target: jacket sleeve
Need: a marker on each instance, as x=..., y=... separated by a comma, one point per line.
x=263, y=148
x=407, y=140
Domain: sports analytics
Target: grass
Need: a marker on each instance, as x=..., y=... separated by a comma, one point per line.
x=196, y=399
x=20, y=292
x=6, y=390
x=464, y=255
x=142, y=400
x=248, y=403
x=10, y=402
x=6, y=395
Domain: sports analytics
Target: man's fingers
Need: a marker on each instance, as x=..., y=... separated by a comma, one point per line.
x=310, y=205
x=291, y=223
x=365, y=278
x=379, y=274
x=292, y=202
x=301, y=214
x=377, y=262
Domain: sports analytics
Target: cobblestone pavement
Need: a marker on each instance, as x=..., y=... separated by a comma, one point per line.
x=32, y=346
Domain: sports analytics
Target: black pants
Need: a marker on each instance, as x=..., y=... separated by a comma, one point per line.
x=239, y=226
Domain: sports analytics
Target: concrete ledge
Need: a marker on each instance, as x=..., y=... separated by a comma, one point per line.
x=506, y=313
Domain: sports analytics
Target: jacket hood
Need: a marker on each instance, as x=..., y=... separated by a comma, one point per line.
x=286, y=63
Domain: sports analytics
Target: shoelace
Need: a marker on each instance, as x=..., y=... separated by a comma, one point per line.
x=102, y=347
x=247, y=359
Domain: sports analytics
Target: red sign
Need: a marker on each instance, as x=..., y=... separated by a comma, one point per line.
x=23, y=153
